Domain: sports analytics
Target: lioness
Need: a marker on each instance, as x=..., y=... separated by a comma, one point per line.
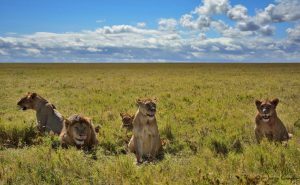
x=78, y=131
x=145, y=141
x=48, y=118
x=267, y=122
x=127, y=120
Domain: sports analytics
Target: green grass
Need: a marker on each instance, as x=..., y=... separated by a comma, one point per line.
x=205, y=117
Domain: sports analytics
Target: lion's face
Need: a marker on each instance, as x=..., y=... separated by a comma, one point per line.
x=27, y=102
x=266, y=108
x=127, y=120
x=147, y=107
x=79, y=128
x=80, y=132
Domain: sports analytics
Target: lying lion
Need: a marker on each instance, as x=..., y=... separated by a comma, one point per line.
x=78, y=131
x=268, y=124
x=145, y=141
x=127, y=120
x=48, y=118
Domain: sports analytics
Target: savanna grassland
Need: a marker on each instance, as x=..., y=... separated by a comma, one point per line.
x=205, y=117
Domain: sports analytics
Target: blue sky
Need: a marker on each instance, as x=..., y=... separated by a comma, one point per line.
x=150, y=31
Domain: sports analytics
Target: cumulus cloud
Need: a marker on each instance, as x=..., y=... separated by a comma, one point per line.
x=189, y=38
x=285, y=10
x=267, y=30
x=118, y=42
x=167, y=24
x=210, y=7
x=187, y=21
x=248, y=26
x=238, y=12
x=294, y=33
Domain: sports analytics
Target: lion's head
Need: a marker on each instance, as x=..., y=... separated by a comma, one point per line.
x=147, y=106
x=28, y=101
x=127, y=120
x=266, y=108
x=80, y=130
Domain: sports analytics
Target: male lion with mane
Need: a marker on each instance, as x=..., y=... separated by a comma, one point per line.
x=78, y=131
x=268, y=124
x=48, y=118
x=145, y=141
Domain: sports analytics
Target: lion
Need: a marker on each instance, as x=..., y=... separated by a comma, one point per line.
x=78, y=131
x=127, y=120
x=145, y=141
x=48, y=118
x=268, y=124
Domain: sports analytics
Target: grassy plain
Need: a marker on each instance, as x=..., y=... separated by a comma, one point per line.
x=205, y=115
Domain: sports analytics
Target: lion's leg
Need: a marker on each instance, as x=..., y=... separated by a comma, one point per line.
x=153, y=149
x=130, y=145
x=41, y=122
x=138, y=149
x=41, y=128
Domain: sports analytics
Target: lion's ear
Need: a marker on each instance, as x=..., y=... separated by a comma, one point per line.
x=121, y=114
x=33, y=95
x=97, y=129
x=257, y=103
x=155, y=100
x=275, y=102
x=139, y=101
x=89, y=120
x=132, y=116
x=67, y=123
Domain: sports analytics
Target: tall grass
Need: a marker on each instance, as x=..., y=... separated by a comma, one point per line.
x=205, y=117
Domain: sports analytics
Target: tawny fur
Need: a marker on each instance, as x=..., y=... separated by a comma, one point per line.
x=267, y=122
x=78, y=131
x=145, y=141
x=48, y=118
x=127, y=120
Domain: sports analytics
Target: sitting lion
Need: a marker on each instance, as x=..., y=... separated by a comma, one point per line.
x=48, y=118
x=127, y=120
x=78, y=131
x=268, y=124
x=145, y=141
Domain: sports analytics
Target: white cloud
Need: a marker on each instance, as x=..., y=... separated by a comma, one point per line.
x=267, y=30
x=201, y=23
x=294, y=33
x=238, y=12
x=141, y=24
x=2, y=52
x=33, y=51
x=187, y=21
x=249, y=38
x=284, y=10
x=167, y=24
x=248, y=26
x=219, y=25
x=210, y=7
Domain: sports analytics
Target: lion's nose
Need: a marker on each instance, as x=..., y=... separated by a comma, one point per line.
x=265, y=110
